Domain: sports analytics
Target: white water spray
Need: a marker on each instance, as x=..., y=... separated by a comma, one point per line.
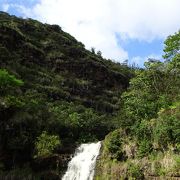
x=82, y=165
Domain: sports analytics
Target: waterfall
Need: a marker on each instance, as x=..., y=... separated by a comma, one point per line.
x=81, y=166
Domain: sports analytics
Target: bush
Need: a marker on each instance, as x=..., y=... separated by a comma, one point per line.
x=166, y=130
x=143, y=130
x=145, y=147
x=8, y=81
x=113, y=144
x=45, y=144
x=135, y=172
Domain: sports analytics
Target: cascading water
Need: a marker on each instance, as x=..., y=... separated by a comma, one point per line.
x=82, y=165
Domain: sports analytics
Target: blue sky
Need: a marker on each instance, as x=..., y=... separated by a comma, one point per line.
x=28, y=3
x=14, y=10
x=121, y=29
x=140, y=51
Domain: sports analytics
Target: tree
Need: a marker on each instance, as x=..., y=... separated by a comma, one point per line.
x=154, y=88
x=172, y=46
x=45, y=144
x=172, y=55
x=99, y=53
x=93, y=50
x=125, y=62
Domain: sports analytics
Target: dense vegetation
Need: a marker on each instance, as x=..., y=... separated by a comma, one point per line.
x=147, y=142
x=55, y=94
x=52, y=89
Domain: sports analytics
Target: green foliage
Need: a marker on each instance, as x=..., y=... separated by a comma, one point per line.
x=150, y=115
x=45, y=144
x=135, y=172
x=154, y=88
x=159, y=99
x=172, y=46
x=166, y=129
x=78, y=122
x=8, y=81
x=177, y=160
x=139, y=105
x=143, y=130
x=113, y=144
x=144, y=148
x=12, y=101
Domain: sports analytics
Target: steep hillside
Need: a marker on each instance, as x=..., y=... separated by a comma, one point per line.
x=52, y=88
x=39, y=53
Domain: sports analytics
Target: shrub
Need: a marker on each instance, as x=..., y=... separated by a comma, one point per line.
x=135, y=172
x=166, y=130
x=113, y=143
x=7, y=80
x=145, y=147
x=45, y=144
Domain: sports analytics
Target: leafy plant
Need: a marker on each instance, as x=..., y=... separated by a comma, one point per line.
x=45, y=144
x=8, y=81
x=144, y=148
x=113, y=144
x=166, y=130
x=135, y=171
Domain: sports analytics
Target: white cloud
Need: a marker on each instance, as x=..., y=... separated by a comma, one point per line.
x=95, y=22
x=86, y=20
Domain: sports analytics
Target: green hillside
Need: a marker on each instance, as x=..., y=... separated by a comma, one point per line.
x=50, y=83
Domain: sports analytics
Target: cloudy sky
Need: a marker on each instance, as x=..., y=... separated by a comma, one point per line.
x=120, y=29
